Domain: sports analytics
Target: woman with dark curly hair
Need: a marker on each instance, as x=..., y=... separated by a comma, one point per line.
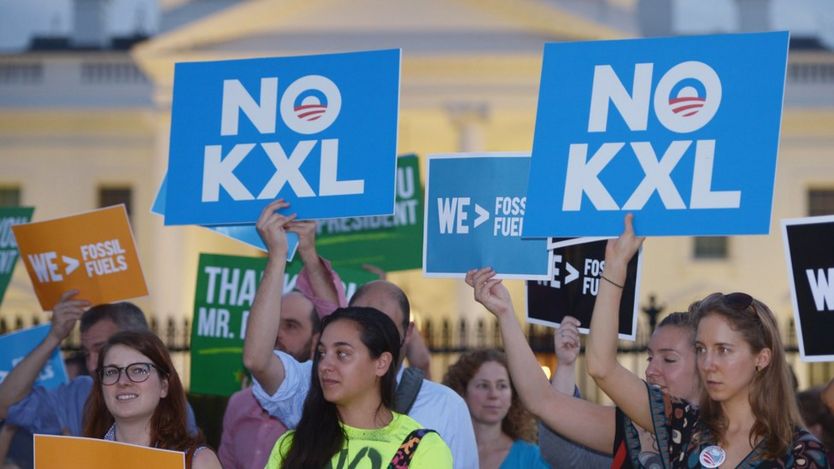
x=504, y=429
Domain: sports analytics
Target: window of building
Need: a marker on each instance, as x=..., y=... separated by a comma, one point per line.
x=711, y=247
x=115, y=195
x=9, y=196
x=820, y=202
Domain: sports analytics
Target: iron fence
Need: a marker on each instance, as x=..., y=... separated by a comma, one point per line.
x=446, y=338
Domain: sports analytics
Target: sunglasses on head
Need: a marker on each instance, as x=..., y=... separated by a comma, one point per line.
x=738, y=301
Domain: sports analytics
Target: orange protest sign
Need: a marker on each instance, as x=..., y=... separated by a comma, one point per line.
x=93, y=252
x=70, y=452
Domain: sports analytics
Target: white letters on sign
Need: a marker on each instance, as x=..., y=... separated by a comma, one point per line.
x=683, y=112
x=314, y=114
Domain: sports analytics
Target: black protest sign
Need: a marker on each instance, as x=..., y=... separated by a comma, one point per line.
x=573, y=287
x=809, y=251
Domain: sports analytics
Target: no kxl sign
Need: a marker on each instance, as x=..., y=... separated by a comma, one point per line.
x=682, y=131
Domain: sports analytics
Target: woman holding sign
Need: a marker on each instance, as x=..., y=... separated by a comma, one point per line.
x=347, y=418
x=138, y=398
x=570, y=421
x=747, y=415
x=739, y=357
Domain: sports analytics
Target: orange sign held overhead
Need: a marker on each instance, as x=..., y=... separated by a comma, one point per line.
x=93, y=252
x=69, y=452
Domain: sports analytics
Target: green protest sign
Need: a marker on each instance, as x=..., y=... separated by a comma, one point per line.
x=226, y=287
x=392, y=242
x=8, y=247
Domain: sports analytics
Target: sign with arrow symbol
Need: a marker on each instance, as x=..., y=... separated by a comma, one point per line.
x=574, y=283
x=474, y=217
x=93, y=252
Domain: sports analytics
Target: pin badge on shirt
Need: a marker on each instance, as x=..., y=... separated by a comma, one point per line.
x=712, y=456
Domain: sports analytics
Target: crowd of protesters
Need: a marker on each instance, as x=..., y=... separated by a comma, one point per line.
x=330, y=388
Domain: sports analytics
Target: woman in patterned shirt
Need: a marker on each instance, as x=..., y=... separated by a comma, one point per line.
x=747, y=415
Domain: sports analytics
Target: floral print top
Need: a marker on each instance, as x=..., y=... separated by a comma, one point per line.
x=681, y=421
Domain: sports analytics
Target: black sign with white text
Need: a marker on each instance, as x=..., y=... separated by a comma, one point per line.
x=574, y=285
x=809, y=251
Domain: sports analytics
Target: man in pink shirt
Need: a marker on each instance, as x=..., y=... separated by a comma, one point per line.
x=249, y=432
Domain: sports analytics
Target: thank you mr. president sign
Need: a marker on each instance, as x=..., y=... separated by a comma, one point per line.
x=318, y=131
x=682, y=131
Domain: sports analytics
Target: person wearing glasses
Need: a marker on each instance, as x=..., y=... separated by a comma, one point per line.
x=747, y=414
x=60, y=411
x=138, y=398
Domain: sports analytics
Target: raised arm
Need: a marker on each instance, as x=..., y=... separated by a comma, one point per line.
x=566, y=345
x=625, y=388
x=586, y=423
x=556, y=449
x=19, y=381
x=265, y=316
x=317, y=280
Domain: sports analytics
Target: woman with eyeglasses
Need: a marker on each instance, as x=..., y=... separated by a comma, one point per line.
x=347, y=420
x=138, y=398
x=747, y=415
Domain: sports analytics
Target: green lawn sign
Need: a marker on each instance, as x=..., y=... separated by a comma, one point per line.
x=8, y=247
x=226, y=287
x=393, y=242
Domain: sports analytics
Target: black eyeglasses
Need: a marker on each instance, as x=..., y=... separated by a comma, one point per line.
x=738, y=301
x=135, y=372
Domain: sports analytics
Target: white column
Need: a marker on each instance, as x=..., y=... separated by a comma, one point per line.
x=166, y=274
x=468, y=119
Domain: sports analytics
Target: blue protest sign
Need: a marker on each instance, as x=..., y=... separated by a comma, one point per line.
x=474, y=217
x=319, y=131
x=681, y=131
x=246, y=234
x=14, y=347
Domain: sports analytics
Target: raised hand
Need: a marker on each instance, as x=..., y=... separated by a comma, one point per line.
x=272, y=227
x=66, y=313
x=622, y=249
x=306, y=231
x=490, y=291
x=566, y=341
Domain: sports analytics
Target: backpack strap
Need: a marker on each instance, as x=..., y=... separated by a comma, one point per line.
x=407, y=389
x=402, y=458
